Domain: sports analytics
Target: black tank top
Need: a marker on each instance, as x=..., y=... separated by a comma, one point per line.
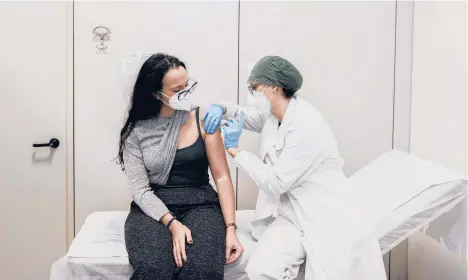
x=190, y=165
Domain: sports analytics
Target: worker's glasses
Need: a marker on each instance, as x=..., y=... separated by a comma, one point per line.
x=253, y=90
x=181, y=94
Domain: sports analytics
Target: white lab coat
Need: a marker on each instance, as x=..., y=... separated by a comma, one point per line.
x=300, y=160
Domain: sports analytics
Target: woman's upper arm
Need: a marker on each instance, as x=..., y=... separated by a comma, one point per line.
x=137, y=175
x=134, y=165
x=215, y=151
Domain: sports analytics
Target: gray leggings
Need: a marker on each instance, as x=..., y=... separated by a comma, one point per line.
x=149, y=245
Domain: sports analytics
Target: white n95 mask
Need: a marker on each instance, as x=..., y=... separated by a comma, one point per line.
x=259, y=100
x=182, y=100
x=178, y=102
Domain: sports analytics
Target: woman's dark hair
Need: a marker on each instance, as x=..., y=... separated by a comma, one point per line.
x=143, y=104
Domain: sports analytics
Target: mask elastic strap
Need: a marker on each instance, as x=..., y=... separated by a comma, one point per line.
x=163, y=94
x=271, y=98
x=160, y=99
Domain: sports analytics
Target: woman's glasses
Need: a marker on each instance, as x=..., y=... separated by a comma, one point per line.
x=187, y=90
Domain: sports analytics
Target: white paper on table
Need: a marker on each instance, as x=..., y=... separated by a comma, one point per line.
x=101, y=236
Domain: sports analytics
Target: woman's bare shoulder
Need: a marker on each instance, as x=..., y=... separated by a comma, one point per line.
x=192, y=120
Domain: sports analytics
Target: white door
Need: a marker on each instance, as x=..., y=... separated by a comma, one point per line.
x=202, y=34
x=33, y=88
x=345, y=52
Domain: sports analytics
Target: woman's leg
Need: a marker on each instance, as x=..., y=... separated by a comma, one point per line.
x=149, y=246
x=206, y=256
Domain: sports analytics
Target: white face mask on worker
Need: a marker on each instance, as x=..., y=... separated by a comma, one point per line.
x=262, y=104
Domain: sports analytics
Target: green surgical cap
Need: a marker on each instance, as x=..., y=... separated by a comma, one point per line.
x=276, y=71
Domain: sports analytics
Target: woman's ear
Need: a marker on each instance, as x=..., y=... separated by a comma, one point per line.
x=275, y=90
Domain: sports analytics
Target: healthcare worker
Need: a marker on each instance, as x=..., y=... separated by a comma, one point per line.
x=304, y=210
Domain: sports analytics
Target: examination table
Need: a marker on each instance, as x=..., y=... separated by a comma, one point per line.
x=402, y=193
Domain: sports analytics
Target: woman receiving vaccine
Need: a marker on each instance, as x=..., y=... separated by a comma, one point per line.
x=178, y=227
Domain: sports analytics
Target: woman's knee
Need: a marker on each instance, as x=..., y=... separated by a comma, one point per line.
x=202, y=269
x=151, y=262
x=152, y=269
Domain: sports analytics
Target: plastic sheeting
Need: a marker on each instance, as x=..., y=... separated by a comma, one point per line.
x=450, y=230
x=418, y=213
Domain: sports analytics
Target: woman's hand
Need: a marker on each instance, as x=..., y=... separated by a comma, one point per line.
x=180, y=233
x=234, y=249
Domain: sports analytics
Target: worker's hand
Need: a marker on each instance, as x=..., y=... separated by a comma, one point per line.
x=180, y=233
x=212, y=118
x=232, y=131
x=234, y=249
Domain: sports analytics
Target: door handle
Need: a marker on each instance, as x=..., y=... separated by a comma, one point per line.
x=53, y=143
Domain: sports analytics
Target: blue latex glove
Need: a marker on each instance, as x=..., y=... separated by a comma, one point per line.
x=212, y=118
x=232, y=132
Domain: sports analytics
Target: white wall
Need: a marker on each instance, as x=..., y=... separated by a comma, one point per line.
x=438, y=116
x=438, y=109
